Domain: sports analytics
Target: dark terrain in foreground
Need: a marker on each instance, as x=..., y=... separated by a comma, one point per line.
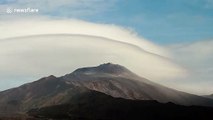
x=92, y=105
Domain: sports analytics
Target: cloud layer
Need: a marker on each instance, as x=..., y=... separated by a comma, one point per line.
x=60, y=54
x=197, y=57
x=35, y=48
x=46, y=26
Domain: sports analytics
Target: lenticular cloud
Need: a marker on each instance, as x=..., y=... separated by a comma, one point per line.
x=60, y=54
x=57, y=47
x=41, y=27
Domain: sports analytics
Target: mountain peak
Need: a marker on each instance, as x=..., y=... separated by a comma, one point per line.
x=109, y=64
x=108, y=68
x=49, y=77
x=112, y=68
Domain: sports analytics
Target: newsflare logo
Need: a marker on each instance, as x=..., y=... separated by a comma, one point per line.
x=22, y=10
x=9, y=10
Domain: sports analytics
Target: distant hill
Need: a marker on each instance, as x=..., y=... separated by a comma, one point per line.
x=209, y=96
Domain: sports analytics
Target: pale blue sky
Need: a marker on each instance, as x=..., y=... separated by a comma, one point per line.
x=161, y=21
x=164, y=21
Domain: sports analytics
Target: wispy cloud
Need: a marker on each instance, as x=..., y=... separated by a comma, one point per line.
x=197, y=57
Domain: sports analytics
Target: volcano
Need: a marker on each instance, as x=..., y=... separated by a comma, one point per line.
x=107, y=79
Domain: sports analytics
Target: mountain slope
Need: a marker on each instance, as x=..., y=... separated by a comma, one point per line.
x=117, y=81
x=44, y=92
x=111, y=79
x=209, y=96
x=93, y=105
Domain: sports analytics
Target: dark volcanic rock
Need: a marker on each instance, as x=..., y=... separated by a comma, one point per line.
x=92, y=105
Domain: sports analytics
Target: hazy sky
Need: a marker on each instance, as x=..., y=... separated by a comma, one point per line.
x=177, y=34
